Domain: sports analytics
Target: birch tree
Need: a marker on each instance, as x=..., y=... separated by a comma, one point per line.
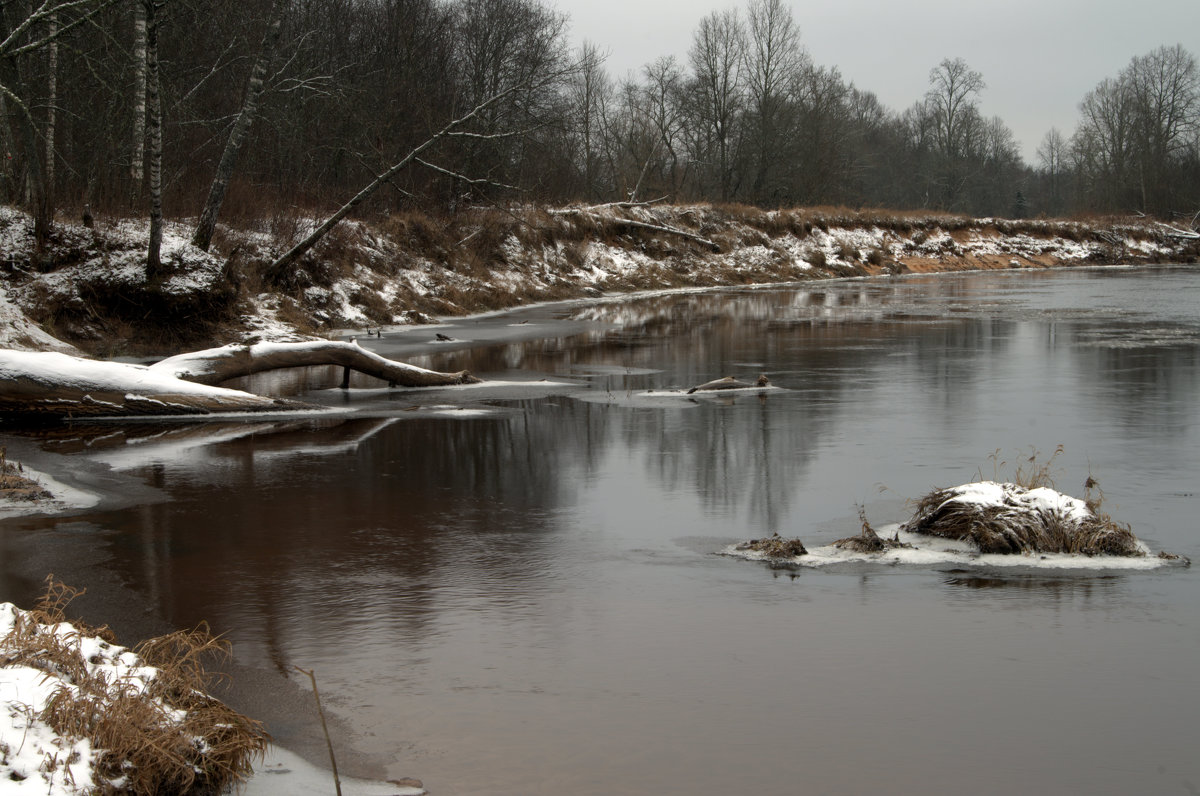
x=154, y=10
x=241, y=127
x=137, y=156
x=24, y=31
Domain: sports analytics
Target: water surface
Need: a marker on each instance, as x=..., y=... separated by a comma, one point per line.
x=515, y=588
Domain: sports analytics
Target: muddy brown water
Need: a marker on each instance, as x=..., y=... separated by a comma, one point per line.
x=516, y=588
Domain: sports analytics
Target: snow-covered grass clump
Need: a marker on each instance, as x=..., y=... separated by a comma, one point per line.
x=984, y=523
x=80, y=714
x=1007, y=518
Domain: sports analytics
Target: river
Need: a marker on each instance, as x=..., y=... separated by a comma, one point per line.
x=516, y=588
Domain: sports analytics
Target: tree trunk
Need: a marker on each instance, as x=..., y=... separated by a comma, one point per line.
x=154, y=100
x=25, y=135
x=51, y=102
x=303, y=246
x=138, y=156
x=48, y=386
x=237, y=136
x=216, y=365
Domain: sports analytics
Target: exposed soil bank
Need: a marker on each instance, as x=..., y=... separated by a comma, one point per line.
x=89, y=288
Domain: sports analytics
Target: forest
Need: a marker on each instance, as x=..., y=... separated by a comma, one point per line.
x=270, y=109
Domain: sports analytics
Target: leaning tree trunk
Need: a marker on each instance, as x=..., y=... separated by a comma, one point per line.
x=237, y=136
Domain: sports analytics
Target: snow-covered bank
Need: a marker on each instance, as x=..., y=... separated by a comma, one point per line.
x=406, y=268
x=81, y=714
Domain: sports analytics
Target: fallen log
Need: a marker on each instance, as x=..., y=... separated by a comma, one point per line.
x=729, y=383
x=45, y=385
x=215, y=365
x=48, y=385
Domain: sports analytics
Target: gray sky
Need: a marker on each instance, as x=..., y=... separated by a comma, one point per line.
x=1038, y=57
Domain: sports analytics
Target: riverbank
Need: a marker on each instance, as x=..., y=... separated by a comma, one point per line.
x=89, y=289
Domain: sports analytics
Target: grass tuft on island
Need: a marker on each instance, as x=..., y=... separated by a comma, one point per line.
x=84, y=715
x=1023, y=517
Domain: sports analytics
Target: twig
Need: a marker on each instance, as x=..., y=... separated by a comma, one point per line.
x=337, y=783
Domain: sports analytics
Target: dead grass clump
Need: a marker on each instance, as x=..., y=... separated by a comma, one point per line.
x=1016, y=525
x=868, y=541
x=156, y=730
x=13, y=483
x=775, y=546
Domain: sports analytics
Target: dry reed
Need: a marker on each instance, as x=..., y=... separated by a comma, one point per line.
x=156, y=730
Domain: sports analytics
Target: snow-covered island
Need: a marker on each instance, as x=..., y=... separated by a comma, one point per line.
x=983, y=523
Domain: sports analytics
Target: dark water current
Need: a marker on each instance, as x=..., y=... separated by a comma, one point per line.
x=514, y=589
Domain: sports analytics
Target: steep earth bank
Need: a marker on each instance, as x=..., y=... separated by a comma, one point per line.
x=89, y=287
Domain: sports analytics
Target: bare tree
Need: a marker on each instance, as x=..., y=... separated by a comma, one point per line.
x=717, y=58
x=1164, y=88
x=24, y=30
x=588, y=93
x=1051, y=153
x=774, y=64
x=1102, y=147
x=241, y=127
x=953, y=87
x=664, y=92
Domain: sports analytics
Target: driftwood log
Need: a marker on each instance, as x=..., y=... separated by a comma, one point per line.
x=216, y=365
x=729, y=383
x=50, y=386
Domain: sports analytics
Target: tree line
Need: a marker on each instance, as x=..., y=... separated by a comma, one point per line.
x=279, y=108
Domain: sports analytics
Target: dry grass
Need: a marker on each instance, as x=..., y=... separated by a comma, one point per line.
x=868, y=541
x=164, y=736
x=1014, y=527
x=775, y=547
x=1009, y=529
x=13, y=483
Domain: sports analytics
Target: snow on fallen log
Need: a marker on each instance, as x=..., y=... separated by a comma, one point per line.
x=48, y=384
x=215, y=365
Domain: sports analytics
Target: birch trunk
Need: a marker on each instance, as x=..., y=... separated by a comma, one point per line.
x=138, y=157
x=154, y=101
x=237, y=136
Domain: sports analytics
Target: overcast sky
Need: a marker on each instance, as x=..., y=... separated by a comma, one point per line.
x=1038, y=57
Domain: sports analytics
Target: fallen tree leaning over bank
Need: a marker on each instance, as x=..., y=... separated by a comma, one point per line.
x=52, y=385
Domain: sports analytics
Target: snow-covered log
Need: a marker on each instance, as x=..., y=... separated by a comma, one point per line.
x=216, y=365
x=53, y=385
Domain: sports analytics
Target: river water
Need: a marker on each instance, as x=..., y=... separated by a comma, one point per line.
x=517, y=588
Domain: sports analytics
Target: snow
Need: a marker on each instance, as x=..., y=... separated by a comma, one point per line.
x=20, y=333
x=64, y=498
x=34, y=759
x=934, y=551
x=52, y=368
x=928, y=551
x=990, y=493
